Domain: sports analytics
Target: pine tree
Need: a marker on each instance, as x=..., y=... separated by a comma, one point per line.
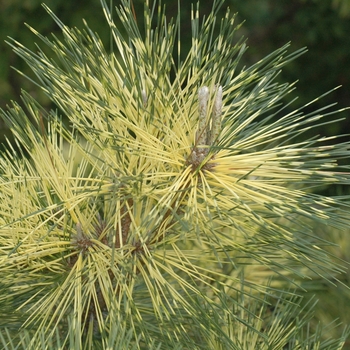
x=166, y=202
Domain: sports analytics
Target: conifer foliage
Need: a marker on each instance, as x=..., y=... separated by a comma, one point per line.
x=176, y=208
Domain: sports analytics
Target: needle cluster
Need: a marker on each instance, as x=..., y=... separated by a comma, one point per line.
x=176, y=207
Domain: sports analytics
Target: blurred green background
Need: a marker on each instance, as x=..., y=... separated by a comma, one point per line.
x=323, y=26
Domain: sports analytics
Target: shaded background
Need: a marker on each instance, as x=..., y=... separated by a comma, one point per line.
x=323, y=26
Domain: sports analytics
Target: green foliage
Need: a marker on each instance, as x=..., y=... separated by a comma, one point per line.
x=177, y=210
x=343, y=7
x=318, y=25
